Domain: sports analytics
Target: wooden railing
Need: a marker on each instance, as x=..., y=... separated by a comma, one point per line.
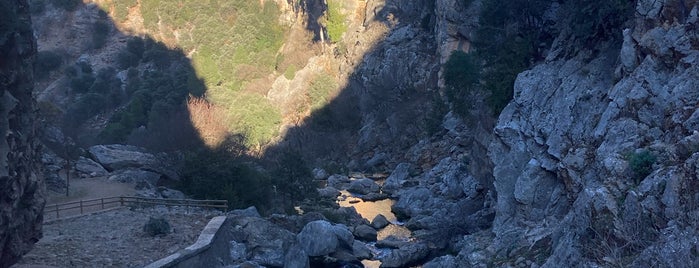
x=91, y=205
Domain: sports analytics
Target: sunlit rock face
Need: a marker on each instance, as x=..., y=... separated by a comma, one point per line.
x=21, y=190
x=564, y=170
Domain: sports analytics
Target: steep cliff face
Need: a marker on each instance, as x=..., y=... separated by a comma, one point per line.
x=595, y=158
x=21, y=190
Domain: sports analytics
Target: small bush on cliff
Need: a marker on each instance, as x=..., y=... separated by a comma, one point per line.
x=460, y=77
x=595, y=20
x=641, y=163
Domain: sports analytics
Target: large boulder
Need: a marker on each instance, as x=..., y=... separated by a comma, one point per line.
x=318, y=238
x=363, y=186
x=338, y=181
x=406, y=255
x=266, y=243
x=116, y=156
x=89, y=167
x=142, y=178
x=379, y=222
x=365, y=232
x=397, y=178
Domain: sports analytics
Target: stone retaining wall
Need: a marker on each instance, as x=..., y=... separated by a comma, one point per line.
x=210, y=249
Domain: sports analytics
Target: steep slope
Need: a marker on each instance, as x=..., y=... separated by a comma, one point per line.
x=21, y=189
x=595, y=158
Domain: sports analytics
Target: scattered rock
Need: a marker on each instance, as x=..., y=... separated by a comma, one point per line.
x=447, y=261
x=266, y=242
x=396, y=179
x=157, y=226
x=248, y=212
x=319, y=174
x=365, y=232
x=363, y=186
x=117, y=156
x=391, y=242
x=361, y=251
x=329, y=192
x=338, y=181
x=146, y=179
x=379, y=222
x=406, y=255
x=90, y=167
x=318, y=238
x=370, y=197
x=168, y=193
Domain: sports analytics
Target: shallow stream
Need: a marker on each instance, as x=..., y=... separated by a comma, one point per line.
x=369, y=210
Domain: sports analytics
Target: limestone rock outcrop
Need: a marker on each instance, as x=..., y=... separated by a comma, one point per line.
x=21, y=187
x=564, y=171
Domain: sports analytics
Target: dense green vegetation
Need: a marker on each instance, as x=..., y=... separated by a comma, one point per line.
x=293, y=178
x=336, y=24
x=598, y=20
x=67, y=5
x=46, y=62
x=231, y=43
x=460, y=76
x=221, y=174
x=319, y=91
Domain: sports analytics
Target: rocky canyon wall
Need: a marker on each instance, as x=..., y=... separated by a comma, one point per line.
x=21, y=190
x=595, y=158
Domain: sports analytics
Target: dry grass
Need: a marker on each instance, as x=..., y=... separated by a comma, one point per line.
x=209, y=120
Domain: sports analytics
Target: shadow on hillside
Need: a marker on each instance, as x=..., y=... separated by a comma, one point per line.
x=378, y=110
x=151, y=110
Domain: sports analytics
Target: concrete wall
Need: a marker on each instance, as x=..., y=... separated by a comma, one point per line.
x=210, y=250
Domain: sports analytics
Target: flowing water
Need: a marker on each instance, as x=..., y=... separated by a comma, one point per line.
x=369, y=210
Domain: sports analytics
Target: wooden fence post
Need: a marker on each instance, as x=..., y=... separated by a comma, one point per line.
x=102, y=201
x=81, y=206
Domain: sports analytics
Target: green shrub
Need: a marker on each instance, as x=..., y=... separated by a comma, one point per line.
x=100, y=34
x=336, y=25
x=319, y=91
x=293, y=177
x=594, y=20
x=36, y=7
x=255, y=118
x=67, y=5
x=81, y=76
x=46, y=62
x=433, y=122
x=641, y=163
x=507, y=43
x=121, y=9
x=222, y=174
x=460, y=77
x=85, y=107
x=157, y=226
x=290, y=72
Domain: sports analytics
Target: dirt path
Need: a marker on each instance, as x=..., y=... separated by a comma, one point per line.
x=85, y=189
x=91, y=188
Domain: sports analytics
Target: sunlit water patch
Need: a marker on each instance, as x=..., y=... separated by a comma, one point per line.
x=369, y=210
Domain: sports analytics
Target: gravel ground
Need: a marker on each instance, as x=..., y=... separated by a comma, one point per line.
x=116, y=238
